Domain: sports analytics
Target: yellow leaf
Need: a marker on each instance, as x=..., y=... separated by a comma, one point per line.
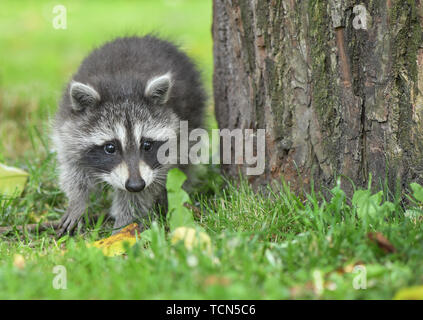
x=114, y=245
x=411, y=293
x=12, y=181
x=19, y=261
x=35, y=218
x=191, y=238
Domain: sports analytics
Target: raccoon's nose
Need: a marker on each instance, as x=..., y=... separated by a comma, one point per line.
x=135, y=185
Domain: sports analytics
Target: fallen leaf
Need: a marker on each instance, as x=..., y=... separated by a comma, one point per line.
x=191, y=238
x=12, y=181
x=114, y=245
x=301, y=290
x=19, y=261
x=381, y=241
x=349, y=268
x=36, y=217
x=216, y=280
x=411, y=293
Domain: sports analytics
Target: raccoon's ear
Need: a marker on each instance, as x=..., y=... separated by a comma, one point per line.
x=82, y=96
x=158, y=88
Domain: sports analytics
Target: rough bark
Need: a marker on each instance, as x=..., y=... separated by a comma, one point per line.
x=334, y=100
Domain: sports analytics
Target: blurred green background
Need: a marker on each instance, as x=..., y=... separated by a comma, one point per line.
x=37, y=60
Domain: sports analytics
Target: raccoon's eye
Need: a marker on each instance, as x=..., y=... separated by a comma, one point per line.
x=109, y=148
x=146, y=145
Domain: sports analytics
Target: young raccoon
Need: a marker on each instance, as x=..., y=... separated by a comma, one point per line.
x=121, y=105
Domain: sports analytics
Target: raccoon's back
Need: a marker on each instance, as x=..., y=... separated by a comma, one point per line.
x=120, y=69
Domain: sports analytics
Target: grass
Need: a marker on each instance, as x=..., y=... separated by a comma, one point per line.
x=274, y=245
x=264, y=247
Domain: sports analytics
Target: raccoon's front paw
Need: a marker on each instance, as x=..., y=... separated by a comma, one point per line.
x=67, y=224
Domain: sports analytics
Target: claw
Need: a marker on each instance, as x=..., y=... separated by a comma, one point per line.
x=67, y=225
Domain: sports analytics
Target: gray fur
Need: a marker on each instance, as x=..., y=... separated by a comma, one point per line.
x=123, y=89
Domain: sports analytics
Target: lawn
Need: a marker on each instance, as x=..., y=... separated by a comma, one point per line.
x=275, y=245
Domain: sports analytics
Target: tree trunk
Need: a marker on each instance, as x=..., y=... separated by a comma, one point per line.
x=335, y=99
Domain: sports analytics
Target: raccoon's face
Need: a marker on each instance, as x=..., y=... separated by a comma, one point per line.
x=127, y=165
x=121, y=141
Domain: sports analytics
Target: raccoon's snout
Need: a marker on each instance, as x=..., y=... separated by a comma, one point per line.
x=135, y=185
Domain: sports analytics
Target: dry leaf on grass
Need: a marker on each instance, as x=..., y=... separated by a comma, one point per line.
x=18, y=261
x=381, y=242
x=192, y=238
x=114, y=245
x=349, y=268
x=309, y=288
x=216, y=280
